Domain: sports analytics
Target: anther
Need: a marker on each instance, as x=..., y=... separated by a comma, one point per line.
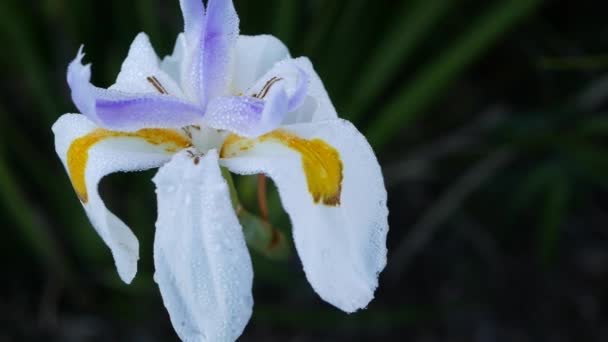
x=156, y=83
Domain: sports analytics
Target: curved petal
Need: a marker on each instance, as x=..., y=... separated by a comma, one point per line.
x=289, y=75
x=248, y=116
x=89, y=153
x=141, y=72
x=203, y=267
x=331, y=186
x=118, y=110
x=317, y=105
x=281, y=90
x=253, y=58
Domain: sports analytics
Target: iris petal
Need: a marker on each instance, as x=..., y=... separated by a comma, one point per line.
x=203, y=268
x=340, y=235
x=281, y=90
x=254, y=57
x=248, y=116
x=118, y=110
x=89, y=153
x=220, y=36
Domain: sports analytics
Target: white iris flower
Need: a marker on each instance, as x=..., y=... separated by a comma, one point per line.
x=240, y=102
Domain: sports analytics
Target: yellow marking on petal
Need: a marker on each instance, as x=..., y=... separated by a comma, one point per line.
x=321, y=162
x=78, y=153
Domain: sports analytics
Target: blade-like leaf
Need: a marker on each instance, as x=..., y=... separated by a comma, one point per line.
x=413, y=98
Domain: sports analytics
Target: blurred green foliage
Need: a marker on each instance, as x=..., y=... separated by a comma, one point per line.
x=419, y=78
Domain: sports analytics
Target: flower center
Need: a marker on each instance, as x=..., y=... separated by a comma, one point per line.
x=204, y=138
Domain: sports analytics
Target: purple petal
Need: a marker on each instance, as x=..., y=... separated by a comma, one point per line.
x=282, y=90
x=210, y=41
x=194, y=15
x=218, y=44
x=122, y=111
x=248, y=116
x=301, y=91
x=288, y=74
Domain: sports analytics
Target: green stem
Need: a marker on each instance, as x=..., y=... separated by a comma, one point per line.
x=260, y=235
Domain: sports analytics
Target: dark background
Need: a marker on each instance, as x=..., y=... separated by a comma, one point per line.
x=488, y=117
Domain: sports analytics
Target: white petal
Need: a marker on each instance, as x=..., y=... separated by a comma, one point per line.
x=317, y=105
x=104, y=157
x=172, y=64
x=290, y=76
x=342, y=248
x=140, y=64
x=254, y=56
x=203, y=267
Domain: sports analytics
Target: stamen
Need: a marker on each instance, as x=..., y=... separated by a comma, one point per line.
x=156, y=83
x=264, y=91
x=269, y=85
x=262, y=198
x=256, y=95
x=186, y=130
x=196, y=156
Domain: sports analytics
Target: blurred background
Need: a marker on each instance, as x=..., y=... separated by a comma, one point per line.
x=489, y=120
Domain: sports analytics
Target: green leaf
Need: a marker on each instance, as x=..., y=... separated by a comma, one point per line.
x=286, y=18
x=589, y=160
x=15, y=32
x=417, y=96
x=552, y=217
x=395, y=50
x=594, y=127
x=148, y=17
x=33, y=232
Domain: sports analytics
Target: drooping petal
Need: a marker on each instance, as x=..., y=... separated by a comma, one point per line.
x=331, y=186
x=202, y=264
x=281, y=90
x=141, y=72
x=254, y=57
x=90, y=153
x=118, y=110
x=317, y=105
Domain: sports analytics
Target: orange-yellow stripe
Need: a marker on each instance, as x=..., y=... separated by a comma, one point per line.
x=78, y=153
x=321, y=162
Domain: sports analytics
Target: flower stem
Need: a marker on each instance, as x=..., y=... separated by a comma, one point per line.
x=260, y=235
